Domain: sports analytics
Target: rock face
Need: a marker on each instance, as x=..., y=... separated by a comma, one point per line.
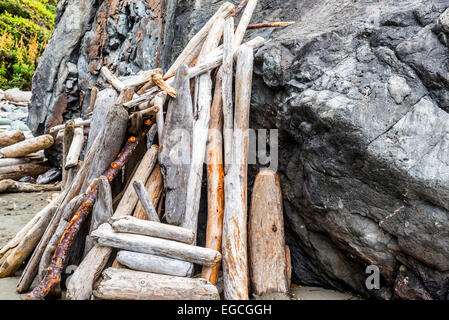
x=358, y=91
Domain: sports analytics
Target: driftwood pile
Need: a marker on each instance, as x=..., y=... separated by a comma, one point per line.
x=139, y=196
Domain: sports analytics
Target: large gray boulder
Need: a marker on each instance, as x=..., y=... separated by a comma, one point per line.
x=358, y=91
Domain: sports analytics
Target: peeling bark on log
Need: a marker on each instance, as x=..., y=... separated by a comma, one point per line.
x=193, y=48
x=176, y=148
x=106, y=236
x=101, y=211
x=152, y=228
x=75, y=148
x=146, y=201
x=18, y=255
x=266, y=237
x=8, y=138
x=16, y=172
x=82, y=280
x=215, y=197
x=200, y=130
x=235, y=262
x=123, y=284
x=23, y=148
x=9, y=185
x=154, y=187
x=154, y=264
x=53, y=276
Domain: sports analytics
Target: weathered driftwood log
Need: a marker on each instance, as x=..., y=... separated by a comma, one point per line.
x=193, y=48
x=78, y=123
x=23, y=148
x=67, y=215
x=142, y=98
x=152, y=228
x=82, y=280
x=276, y=24
x=93, y=98
x=113, y=80
x=101, y=211
x=176, y=148
x=200, y=130
x=64, y=198
x=244, y=22
x=18, y=255
x=8, y=138
x=53, y=276
x=268, y=263
x=75, y=148
x=146, y=201
x=226, y=75
x=154, y=187
x=157, y=79
x=123, y=284
x=9, y=185
x=159, y=101
x=32, y=169
x=106, y=236
x=148, y=111
x=69, y=130
x=155, y=264
x=129, y=199
x=235, y=262
x=141, y=78
x=215, y=197
x=6, y=162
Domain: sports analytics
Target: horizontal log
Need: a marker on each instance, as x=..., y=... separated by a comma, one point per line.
x=106, y=236
x=8, y=138
x=78, y=123
x=152, y=228
x=16, y=172
x=23, y=148
x=6, y=162
x=124, y=284
x=142, y=98
x=9, y=185
x=155, y=264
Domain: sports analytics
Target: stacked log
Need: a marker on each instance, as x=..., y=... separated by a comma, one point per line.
x=138, y=196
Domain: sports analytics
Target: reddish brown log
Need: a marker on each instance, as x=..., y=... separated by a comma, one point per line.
x=53, y=276
x=160, y=82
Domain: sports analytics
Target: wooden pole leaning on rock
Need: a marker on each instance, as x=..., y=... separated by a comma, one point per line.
x=215, y=197
x=146, y=201
x=23, y=148
x=268, y=263
x=193, y=48
x=53, y=276
x=75, y=148
x=123, y=284
x=235, y=262
x=175, y=166
x=244, y=22
x=106, y=236
x=155, y=264
x=200, y=130
x=8, y=138
x=134, y=225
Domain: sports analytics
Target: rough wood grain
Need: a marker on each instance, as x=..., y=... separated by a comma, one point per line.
x=159, y=101
x=75, y=148
x=123, y=284
x=23, y=148
x=146, y=201
x=8, y=138
x=215, y=197
x=154, y=186
x=69, y=130
x=6, y=162
x=154, y=264
x=176, y=148
x=200, y=132
x=152, y=228
x=244, y=22
x=32, y=169
x=266, y=238
x=106, y=236
x=113, y=80
x=9, y=185
x=235, y=262
x=77, y=123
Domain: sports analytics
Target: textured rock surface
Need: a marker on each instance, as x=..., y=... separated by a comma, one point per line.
x=359, y=93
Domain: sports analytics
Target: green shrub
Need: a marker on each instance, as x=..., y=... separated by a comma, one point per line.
x=25, y=27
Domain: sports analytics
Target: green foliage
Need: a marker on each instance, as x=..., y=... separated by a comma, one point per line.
x=25, y=27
